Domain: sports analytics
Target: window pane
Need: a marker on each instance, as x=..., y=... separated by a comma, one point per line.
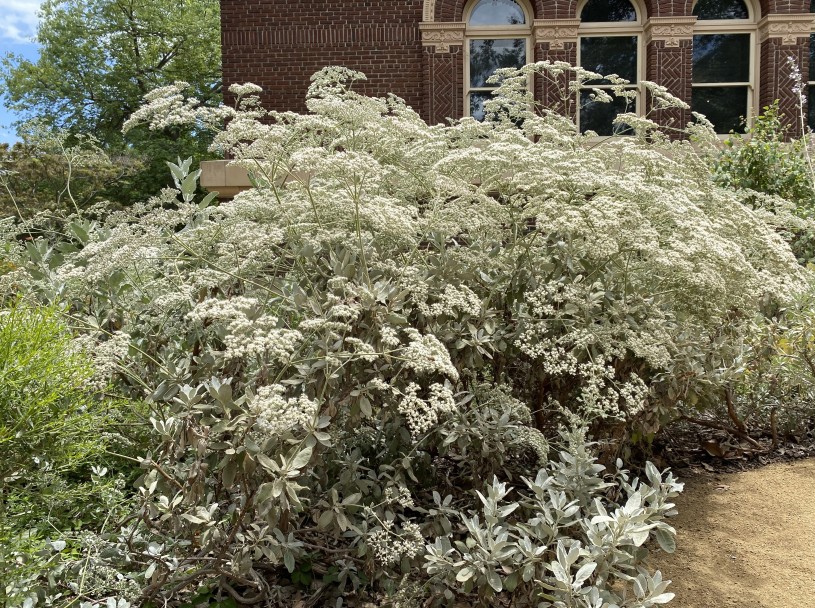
x=477, y=104
x=721, y=58
x=721, y=9
x=497, y=12
x=723, y=106
x=811, y=107
x=608, y=10
x=610, y=55
x=597, y=116
x=812, y=56
x=488, y=55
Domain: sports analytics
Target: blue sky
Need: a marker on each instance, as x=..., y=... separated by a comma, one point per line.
x=18, y=24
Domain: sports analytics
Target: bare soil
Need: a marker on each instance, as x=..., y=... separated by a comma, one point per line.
x=744, y=540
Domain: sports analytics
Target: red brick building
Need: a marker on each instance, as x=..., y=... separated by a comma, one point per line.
x=727, y=58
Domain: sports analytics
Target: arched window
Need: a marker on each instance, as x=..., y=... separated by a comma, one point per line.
x=498, y=36
x=610, y=38
x=723, y=60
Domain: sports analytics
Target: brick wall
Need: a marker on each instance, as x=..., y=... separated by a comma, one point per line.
x=444, y=77
x=671, y=66
x=775, y=75
x=551, y=94
x=279, y=45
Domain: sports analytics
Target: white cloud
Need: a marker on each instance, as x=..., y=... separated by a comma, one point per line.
x=19, y=21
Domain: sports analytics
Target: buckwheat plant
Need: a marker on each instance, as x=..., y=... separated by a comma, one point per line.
x=396, y=316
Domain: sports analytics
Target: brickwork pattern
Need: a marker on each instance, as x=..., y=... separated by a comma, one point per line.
x=671, y=67
x=550, y=93
x=776, y=82
x=280, y=44
x=444, y=77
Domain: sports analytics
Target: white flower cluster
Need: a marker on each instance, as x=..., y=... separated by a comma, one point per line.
x=277, y=415
x=554, y=360
x=423, y=414
x=362, y=349
x=400, y=496
x=122, y=248
x=107, y=356
x=452, y=301
x=249, y=333
x=378, y=384
x=247, y=88
x=168, y=106
x=389, y=336
x=427, y=355
x=634, y=393
x=389, y=547
x=532, y=439
x=597, y=395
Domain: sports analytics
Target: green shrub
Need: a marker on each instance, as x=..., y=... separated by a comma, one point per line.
x=764, y=160
x=54, y=431
x=46, y=407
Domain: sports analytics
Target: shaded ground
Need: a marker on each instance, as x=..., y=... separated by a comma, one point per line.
x=745, y=539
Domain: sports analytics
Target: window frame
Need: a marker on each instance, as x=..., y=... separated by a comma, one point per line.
x=810, y=84
x=706, y=27
x=590, y=29
x=494, y=32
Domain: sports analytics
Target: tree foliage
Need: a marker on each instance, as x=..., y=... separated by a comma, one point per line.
x=98, y=58
x=53, y=171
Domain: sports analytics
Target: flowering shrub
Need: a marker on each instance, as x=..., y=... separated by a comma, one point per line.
x=396, y=319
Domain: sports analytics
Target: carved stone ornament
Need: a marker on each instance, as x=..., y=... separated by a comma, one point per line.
x=789, y=28
x=670, y=30
x=429, y=11
x=557, y=32
x=442, y=35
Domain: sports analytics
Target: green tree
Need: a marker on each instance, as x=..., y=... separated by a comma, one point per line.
x=52, y=170
x=98, y=58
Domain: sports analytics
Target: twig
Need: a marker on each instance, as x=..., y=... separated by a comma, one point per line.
x=711, y=424
x=731, y=410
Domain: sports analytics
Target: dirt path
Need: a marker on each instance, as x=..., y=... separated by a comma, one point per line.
x=745, y=540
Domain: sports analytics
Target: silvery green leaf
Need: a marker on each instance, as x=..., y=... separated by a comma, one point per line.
x=653, y=474
x=465, y=574
x=582, y=574
x=640, y=587
x=639, y=537
x=494, y=581
x=663, y=598
x=301, y=459
x=326, y=517
x=508, y=509
x=560, y=573
x=666, y=540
